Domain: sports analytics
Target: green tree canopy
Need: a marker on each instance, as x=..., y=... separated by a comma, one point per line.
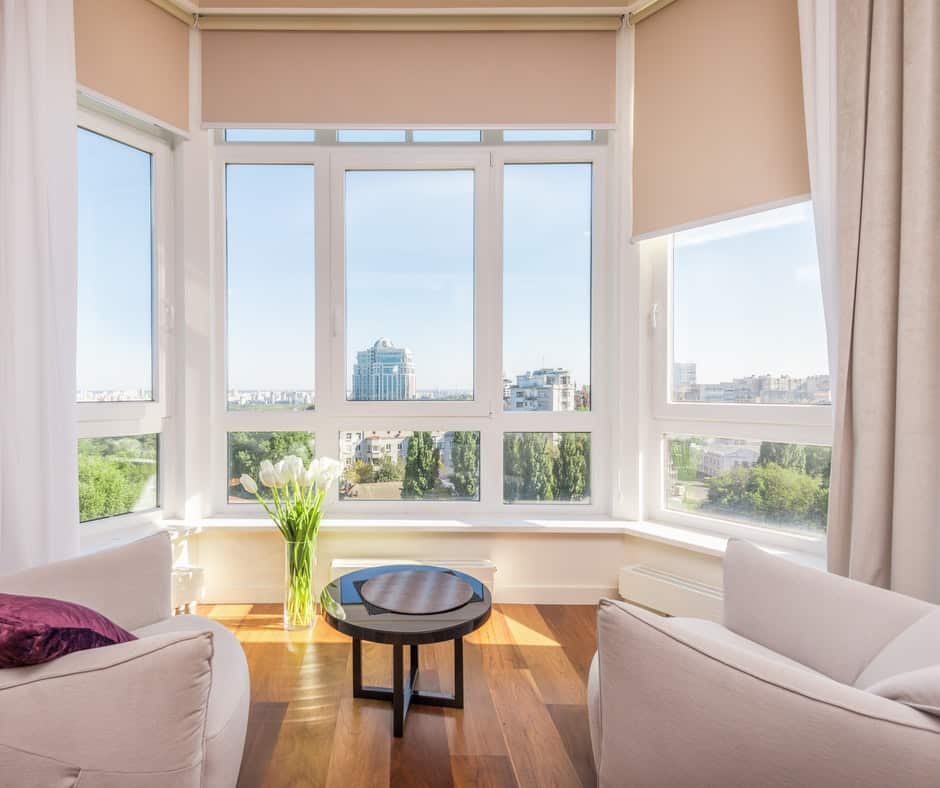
x=466, y=460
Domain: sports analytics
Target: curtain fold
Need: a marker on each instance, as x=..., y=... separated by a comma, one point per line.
x=38, y=283
x=884, y=506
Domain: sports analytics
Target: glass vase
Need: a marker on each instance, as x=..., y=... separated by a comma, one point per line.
x=299, y=596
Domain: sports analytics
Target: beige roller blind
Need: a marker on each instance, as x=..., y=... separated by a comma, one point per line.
x=136, y=53
x=409, y=78
x=718, y=111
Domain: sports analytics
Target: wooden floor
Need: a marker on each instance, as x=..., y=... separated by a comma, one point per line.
x=524, y=722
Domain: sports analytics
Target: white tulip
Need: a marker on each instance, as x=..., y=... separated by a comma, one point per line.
x=329, y=471
x=295, y=467
x=281, y=473
x=267, y=475
x=249, y=484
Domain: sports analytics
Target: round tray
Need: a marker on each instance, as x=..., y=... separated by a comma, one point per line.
x=416, y=592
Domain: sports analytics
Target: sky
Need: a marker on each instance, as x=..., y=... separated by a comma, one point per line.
x=114, y=265
x=747, y=297
x=746, y=290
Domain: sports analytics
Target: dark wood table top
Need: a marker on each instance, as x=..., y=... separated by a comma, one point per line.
x=347, y=609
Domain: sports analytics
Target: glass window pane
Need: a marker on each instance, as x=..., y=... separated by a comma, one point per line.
x=547, y=467
x=115, y=271
x=782, y=485
x=547, y=287
x=748, y=316
x=409, y=284
x=446, y=135
x=246, y=450
x=269, y=230
x=393, y=465
x=270, y=135
x=117, y=476
x=548, y=135
x=370, y=135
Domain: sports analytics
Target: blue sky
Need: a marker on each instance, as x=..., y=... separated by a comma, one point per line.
x=747, y=297
x=747, y=290
x=114, y=264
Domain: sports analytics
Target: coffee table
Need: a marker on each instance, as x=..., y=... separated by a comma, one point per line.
x=402, y=586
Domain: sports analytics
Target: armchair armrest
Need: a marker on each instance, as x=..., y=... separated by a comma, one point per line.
x=824, y=621
x=129, y=713
x=129, y=584
x=680, y=709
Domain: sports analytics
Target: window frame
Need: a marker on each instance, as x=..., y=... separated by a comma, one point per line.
x=332, y=413
x=808, y=424
x=118, y=419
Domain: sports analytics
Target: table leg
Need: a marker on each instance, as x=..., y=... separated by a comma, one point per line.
x=357, y=667
x=458, y=673
x=398, y=690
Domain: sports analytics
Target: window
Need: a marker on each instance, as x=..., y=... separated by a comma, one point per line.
x=392, y=465
x=446, y=135
x=247, y=450
x=409, y=284
x=547, y=287
x=124, y=237
x=115, y=271
x=270, y=135
x=117, y=476
x=741, y=430
x=270, y=251
x=541, y=467
x=548, y=135
x=783, y=485
x=748, y=317
x=370, y=135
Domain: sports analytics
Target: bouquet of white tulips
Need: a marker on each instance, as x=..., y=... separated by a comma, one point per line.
x=296, y=507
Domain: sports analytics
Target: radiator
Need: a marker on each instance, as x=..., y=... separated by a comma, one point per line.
x=669, y=593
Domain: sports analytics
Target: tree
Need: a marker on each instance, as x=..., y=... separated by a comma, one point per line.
x=361, y=472
x=421, y=466
x=571, y=474
x=786, y=455
x=248, y=449
x=112, y=474
x=512, y=466
x=537, y=467
x=390, y=470
x=466, y=459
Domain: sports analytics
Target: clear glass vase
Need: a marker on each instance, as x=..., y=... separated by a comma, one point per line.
x=299, y=596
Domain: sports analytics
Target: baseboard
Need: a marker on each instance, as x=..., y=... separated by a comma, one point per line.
x=553, y=595
x=244, y=595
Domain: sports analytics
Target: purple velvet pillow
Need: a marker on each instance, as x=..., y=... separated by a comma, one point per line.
x=34, y=629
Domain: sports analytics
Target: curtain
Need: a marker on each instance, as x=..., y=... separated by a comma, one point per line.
x=38, y=228
x=818, y=59
x=884, y=506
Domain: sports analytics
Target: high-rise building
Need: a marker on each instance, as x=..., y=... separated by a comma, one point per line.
x=542, y=389
x=383, y=372
x=683, y=373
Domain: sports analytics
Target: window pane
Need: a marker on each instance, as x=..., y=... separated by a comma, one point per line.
x=548, y=135
x=115, y=271
x=117, y=476
x=748, y=311
x=409, y=284
x=547, y=287
x=246, y=450
x=370, y=135
x=547, y=467
x=782, y=485
x=395, y=465
x=446, y=135
x=270, y=135
x=270, y=266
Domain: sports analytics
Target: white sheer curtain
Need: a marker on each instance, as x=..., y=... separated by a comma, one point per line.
x=818, y=55
x=38, y=273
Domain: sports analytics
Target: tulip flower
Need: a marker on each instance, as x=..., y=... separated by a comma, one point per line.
x=267, y=475
x=249, y=484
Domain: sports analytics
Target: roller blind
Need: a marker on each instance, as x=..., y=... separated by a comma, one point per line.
x=718, y=111
x=136, y=53
x=408, y=78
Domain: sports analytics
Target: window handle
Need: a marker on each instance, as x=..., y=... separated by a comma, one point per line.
x=654, y=316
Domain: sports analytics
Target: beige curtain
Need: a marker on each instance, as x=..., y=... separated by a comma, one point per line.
x=884, y=508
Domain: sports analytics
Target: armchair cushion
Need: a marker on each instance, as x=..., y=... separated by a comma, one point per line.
x=35, y=629
x=915, y=648
x=919, y=689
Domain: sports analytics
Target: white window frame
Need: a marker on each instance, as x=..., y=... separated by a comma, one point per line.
x=333, y=414
x=119, y=419
x=808, y=424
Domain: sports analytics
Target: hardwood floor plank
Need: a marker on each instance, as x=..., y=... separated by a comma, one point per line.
x=499, y=649
x=421, y=757
x=264, y=726
x=575, y=627
x=482, y=771
x=475, y=729
x=572, y=724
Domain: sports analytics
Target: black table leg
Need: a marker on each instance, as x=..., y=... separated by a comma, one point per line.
x=458, y=673
x=357, y=667
x=398, y=691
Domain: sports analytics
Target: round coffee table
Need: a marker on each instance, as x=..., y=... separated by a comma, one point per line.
x=361, y=617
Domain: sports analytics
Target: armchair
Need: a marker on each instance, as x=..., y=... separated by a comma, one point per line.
x=776, y=696
x=168, y=709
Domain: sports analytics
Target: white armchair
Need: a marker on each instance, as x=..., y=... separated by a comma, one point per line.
x=168, y=709
x=784, y=694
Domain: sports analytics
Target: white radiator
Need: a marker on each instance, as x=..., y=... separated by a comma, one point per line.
x=669, y=593
x=479, y=568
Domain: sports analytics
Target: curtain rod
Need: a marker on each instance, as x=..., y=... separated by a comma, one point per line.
x=409, y=22
x=647, y=10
